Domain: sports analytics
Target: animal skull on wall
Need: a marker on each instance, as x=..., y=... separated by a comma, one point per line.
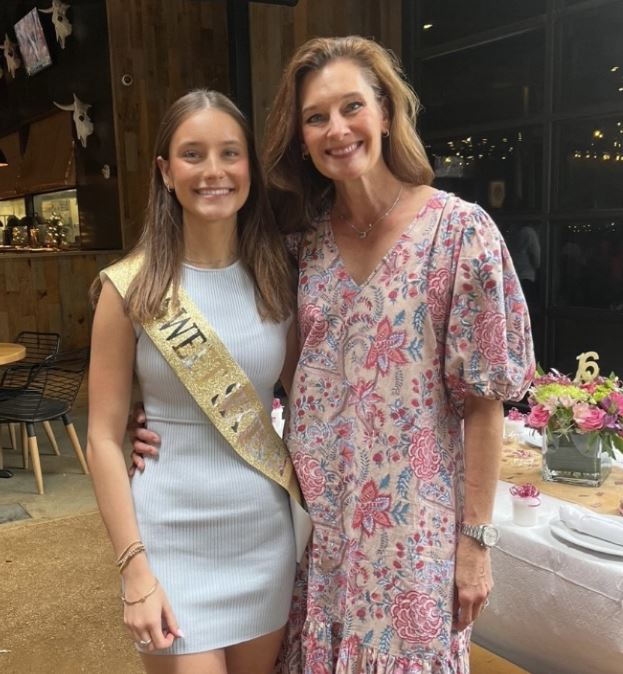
x=10, y=54
x=62, y=25
x=84, y=125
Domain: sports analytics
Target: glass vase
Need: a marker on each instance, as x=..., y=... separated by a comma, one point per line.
x=575, y=459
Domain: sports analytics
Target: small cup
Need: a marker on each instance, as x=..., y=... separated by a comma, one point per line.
x=526, y=510
x=513, y=430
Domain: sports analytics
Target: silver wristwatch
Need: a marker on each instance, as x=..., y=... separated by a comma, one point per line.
x=486, y=534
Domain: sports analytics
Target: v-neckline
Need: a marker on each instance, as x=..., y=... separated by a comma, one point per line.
x=405, y=232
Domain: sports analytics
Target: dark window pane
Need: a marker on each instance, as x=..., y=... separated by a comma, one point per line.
x=499, y=80
x=576, y=336
x=590, y=157
x=524, y=244
x=592, y=57
x=444, y=20
x=588, y=264
x=500, y=170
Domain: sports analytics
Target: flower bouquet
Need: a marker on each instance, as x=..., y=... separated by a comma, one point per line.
x=582, y=423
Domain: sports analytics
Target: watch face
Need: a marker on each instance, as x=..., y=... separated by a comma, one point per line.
x=490, y=536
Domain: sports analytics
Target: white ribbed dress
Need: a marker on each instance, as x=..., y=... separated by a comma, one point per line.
x=218, y=533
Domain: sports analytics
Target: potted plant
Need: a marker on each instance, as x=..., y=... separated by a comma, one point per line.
x=581, y=421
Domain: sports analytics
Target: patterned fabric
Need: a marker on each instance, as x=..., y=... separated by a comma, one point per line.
x=375, y=434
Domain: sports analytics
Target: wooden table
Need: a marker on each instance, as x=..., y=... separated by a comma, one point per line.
x=9, y=353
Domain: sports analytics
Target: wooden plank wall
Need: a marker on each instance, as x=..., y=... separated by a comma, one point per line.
x=277, y=31
x=168, y=47
x=49, y=294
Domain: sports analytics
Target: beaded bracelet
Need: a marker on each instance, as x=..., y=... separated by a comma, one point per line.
x=125, y=552
x=141, y=599
x=130, y=555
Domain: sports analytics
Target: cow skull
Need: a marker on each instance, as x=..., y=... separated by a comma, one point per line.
x=10, y=55
x=84, y=125
x=62, y=25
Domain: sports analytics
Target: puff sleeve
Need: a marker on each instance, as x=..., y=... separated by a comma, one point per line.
x=488, y=345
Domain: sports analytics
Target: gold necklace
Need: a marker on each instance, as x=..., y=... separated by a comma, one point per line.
x=362, y=234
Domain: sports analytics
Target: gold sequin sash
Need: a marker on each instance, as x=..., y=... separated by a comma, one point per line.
x=215, y=381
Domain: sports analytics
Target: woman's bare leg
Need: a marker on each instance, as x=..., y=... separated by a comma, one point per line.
x=257, y=656
x=210, y=662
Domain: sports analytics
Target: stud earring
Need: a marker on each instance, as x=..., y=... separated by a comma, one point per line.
x=385, y=133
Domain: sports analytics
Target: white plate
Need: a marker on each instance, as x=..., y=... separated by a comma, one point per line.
x=532, y=437
x=584, y=540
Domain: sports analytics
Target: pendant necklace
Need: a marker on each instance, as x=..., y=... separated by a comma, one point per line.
x=363, y=233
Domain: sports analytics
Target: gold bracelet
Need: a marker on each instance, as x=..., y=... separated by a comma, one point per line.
x=135, y=551
x=141, y=599
x=125, y=552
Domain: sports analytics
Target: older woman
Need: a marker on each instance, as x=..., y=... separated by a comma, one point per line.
x=412, y=324
x=413, y=329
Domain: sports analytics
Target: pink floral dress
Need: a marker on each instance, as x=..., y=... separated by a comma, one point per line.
x=375, y=433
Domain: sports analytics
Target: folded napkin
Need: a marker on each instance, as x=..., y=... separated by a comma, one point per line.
x=599, y=526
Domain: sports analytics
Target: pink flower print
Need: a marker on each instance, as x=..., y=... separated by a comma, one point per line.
x=490, y=336
x=372, y=509
x=310, y=475
x=314, y=326
x=588, y=418
x=538, y=417
x=416, y=617
x=386, y=348
x=438, y=287
x=423, y=455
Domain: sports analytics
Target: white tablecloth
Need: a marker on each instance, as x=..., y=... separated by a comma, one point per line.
x=555, y=608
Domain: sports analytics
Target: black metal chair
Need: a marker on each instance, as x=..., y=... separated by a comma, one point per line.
x=49, y=394
x=41, y=347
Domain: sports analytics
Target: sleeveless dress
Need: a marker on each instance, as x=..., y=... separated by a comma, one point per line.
x=218, y=533
x=376, y=439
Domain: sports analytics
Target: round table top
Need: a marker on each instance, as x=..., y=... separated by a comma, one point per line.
x=10, y=352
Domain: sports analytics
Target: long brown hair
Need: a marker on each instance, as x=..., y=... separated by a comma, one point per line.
x=299, y=192
x=261, y=246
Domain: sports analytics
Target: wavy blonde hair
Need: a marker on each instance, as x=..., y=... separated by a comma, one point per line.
x=260, y=244
x=298, y=191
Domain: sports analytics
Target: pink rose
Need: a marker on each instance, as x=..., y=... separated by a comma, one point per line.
x=490, y=337
x=538, y=417
x=416, y=617
x=310, y=475
x=588, y=418
x=423, y=455
x=314, y=326
x=617, y=399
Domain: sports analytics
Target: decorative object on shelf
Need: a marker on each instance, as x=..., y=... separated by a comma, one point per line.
x=84, y=125
x=514, y=425
x=581, y=422
x=62, y=25
x=13, y=61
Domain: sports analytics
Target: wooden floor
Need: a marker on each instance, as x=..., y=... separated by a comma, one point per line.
x=485, y=662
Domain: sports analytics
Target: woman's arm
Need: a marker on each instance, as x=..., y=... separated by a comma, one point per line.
x=483, y=419
x=110, y=384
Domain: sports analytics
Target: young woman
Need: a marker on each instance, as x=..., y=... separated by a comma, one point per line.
x=204, y=539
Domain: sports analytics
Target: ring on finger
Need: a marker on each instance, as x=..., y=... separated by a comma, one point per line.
x=486, y=603
x=143, y=643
